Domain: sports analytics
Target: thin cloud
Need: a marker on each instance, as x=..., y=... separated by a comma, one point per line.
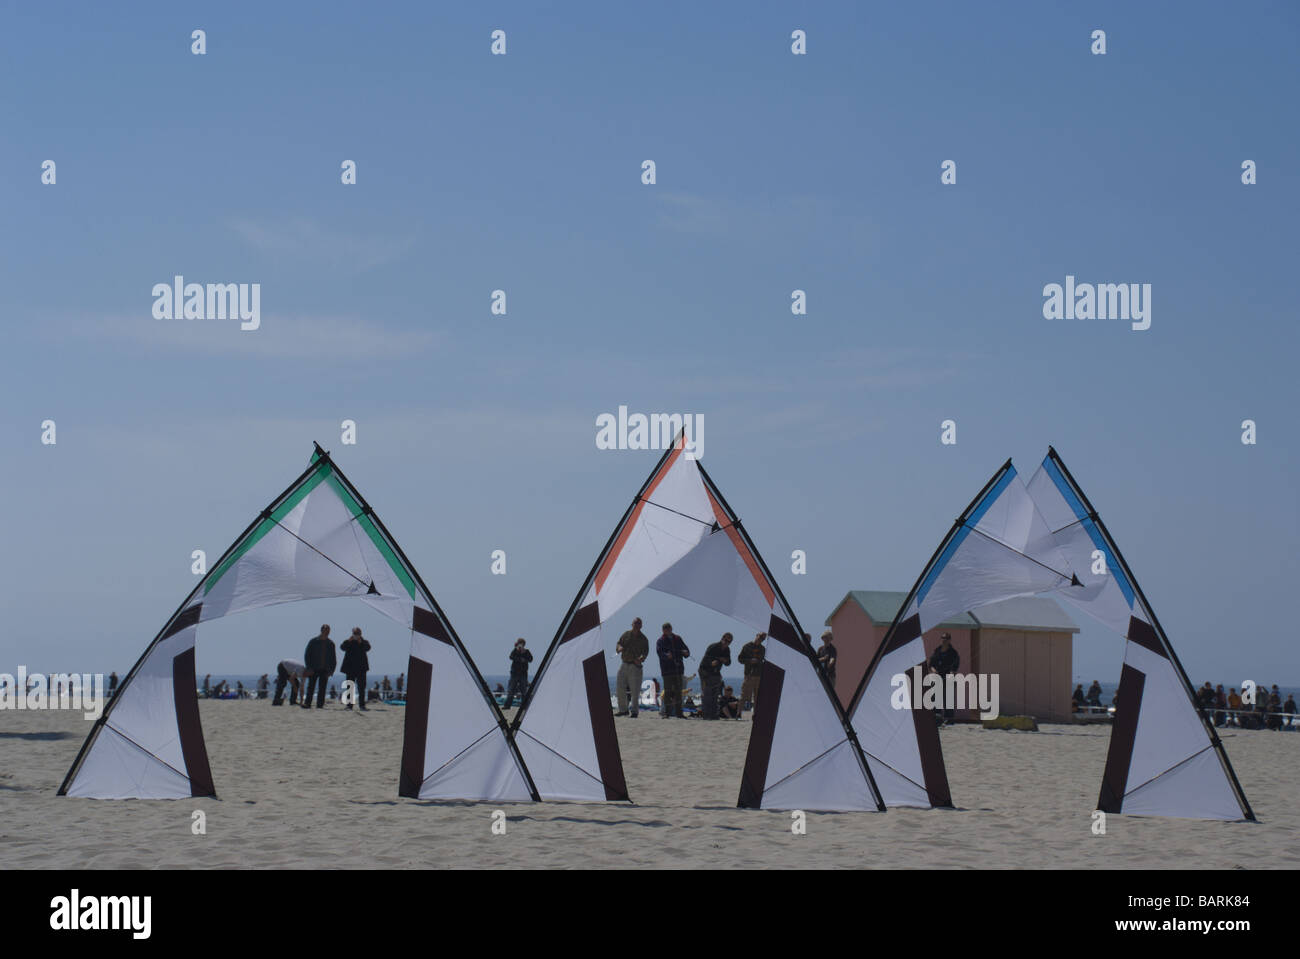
x=309, y=240
x=279, y=336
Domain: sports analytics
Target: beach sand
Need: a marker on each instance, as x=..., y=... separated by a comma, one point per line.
x=309, y=789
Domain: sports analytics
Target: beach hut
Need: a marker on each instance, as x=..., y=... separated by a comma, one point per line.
x=1027, y=642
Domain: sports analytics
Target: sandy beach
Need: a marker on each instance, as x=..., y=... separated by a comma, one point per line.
x=309, y=789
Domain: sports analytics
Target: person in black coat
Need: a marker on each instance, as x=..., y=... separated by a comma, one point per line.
x=356, y=663
x=520, y=657
x=947, y=660
x=321, y=660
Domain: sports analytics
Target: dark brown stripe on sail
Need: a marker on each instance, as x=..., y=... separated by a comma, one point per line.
x=428, y=624
x=783, y=632
x=193, y=750
x=927, y=741
x=419, y=679
x=1142, y=634
x=602, y=727
x=907, y=631
x=1123, y=733
x=584, y=620
x=184, y=621
x=762, y=729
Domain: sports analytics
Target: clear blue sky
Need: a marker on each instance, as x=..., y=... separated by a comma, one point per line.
x=775, y=172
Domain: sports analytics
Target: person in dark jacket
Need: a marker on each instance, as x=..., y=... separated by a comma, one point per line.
x=672, y=652
x=321, y=660
x=946, y=660
x=356, y=664
x=520, y=657
x=829, y=656
x=715, y=657
x=751, y=657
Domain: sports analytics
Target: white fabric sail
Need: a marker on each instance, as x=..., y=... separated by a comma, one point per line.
x=999, y=549
x=317, y=539
x=1018, y=539
x=680, y=537
x=1165, y=758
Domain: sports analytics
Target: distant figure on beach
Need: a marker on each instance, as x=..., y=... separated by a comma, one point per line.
x=374, y=692
x=633, y=648
x=672, y=652
x=1289, y=708
x=356, y=664
x=751, y=657
x=207, y=686
x=321, y=661
x=729, y=705
x=387, y=687
x=715, y=657
x=112, y=683
x=1094, y=694
x=401, y=684
x=240, y=692
x=263, y=685
x=829, y=656
x=947, y=660
x=1274, y=719
x=1077, y=699
x=290, y=672
x=1234, y=705
x=520, y=657
x=1220, y=704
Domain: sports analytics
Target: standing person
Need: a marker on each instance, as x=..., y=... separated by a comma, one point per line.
x=401, y=682
x=751, y=657
x=520, y=657
x=829, y=656
x=672, y=652
x=1289, y=708
x=1094, y=693
x=112, y=684
x=946, y=660
x=263, y=685
x=715, y=657
x=356, y=664
x=321, y=660
x=207, y=686
x=1220, y=704
x=1234, y=705
x=633, y=648
x=288, y=672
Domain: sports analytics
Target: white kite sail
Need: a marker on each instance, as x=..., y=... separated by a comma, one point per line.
x=1019, y=540
x=1165, y=757
x=317, y=539
x=680, y=537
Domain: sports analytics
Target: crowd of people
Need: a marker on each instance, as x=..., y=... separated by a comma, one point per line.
x=1268, y=711
x=717, y=700
x=309, y=678
x=1261, y=708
